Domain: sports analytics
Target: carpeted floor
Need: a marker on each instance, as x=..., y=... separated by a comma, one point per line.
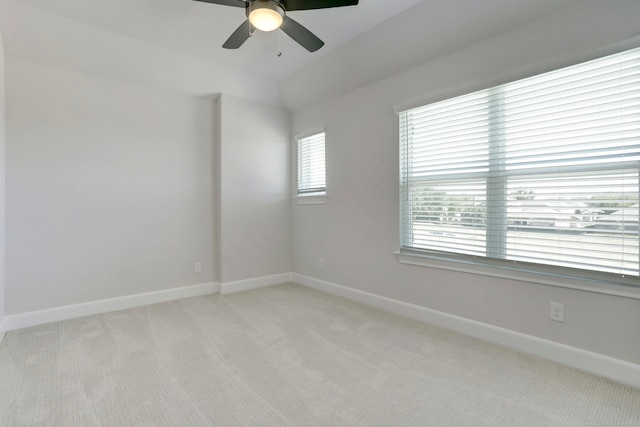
x=286, y=356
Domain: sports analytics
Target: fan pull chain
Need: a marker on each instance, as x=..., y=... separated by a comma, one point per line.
x=279, y=47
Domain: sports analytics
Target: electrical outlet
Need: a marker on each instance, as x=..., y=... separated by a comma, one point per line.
x=321, y=263
x=556, y=312
x=197, y=267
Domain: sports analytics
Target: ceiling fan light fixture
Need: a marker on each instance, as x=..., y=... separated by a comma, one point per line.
x=266, y=15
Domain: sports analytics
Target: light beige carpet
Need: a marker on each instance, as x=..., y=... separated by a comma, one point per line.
x=286, y=356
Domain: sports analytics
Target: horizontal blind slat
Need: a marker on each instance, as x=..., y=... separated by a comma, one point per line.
x=311, y=164
x=543, y=170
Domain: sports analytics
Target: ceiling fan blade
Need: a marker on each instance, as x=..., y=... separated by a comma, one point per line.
x=300, y=34
x=236, y=3
x=290, y=5
x=239, y=36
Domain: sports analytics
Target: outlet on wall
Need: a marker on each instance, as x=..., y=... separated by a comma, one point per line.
x=556, y=312
x=197, y=267
x=321, y=263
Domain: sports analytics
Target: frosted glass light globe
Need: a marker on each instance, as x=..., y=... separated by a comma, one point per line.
x=266, y=16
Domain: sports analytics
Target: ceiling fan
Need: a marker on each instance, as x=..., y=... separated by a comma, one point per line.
x=269, y=15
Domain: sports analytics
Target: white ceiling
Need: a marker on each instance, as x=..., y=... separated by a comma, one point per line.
x=200, y=29
x=133, y=39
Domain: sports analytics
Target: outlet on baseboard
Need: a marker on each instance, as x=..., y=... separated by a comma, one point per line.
x=197, y=267
x=556, y=312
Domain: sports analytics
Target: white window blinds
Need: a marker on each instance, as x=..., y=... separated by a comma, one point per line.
x=543, y=170
x=311, y=165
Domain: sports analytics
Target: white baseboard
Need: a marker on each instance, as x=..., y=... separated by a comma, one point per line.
x=3, y=329
x=598, y=364
x=259, y=282
x=33, y=318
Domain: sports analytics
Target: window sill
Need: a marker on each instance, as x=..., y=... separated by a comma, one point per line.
x=311, y=200
x=583, y=284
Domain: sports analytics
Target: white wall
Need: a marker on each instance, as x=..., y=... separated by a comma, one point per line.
x=253, y=190
x=38, y=36
x=421, y=33
x=356, y=231
x=108, y=188
x=2, y=189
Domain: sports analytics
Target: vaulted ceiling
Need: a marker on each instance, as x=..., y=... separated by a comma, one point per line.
x=177, y=43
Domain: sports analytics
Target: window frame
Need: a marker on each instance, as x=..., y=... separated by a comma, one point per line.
x=594, y=281
x=310, y=198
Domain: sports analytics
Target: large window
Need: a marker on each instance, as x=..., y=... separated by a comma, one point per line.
x=541, y=171
x=311, y=165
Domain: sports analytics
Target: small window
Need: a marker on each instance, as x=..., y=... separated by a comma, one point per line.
x=311, y=166
x=543, y=171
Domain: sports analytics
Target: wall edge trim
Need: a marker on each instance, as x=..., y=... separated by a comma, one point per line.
x=39, y=317
x=255, y=283
x=594, y=363
x=3, y=329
